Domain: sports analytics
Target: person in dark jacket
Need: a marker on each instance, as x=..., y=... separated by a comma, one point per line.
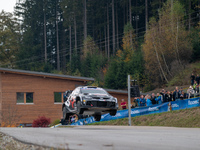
x=153, y=97
x=197, y=79
x=176, y=94
x=162, y=93
x=169, y=96
x=183, y=95
x=192, y=77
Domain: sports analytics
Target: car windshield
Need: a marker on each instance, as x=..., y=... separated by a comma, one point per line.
x=96, y=91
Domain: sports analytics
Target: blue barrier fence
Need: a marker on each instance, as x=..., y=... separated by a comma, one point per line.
x=170, y=106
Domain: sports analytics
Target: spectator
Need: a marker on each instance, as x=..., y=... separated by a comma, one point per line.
x=190, y=92
x=181, y=89
x=148, y=100
x=123, y=104
x=172, y=95
x=176, y=94
x=142, y=101
x=137, y=101
x=162, y=93
x=153, y=97
x=195, y=86
x=183, y=95
x=166, y=97
x=197, y=79
x=192, y=77
x=158, y=99
x=169, y=96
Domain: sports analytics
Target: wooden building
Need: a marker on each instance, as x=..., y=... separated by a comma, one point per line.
x=25, y=95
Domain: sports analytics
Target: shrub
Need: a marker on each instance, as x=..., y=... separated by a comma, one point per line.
x=42, y=121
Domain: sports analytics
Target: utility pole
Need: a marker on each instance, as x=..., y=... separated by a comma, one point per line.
x=129, y=101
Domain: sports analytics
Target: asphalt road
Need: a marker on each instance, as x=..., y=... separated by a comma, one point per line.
x=110, y=137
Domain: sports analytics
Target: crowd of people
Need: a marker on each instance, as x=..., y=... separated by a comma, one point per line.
x=167, y=96
x=159, y=98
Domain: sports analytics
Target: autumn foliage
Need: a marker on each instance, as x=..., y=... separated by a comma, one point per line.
x=41, y=121
x=167, y=47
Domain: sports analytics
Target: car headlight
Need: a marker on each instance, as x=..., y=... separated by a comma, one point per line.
x=115, y=99
x=85, y=98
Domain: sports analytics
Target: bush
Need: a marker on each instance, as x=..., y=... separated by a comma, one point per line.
x=42, y=121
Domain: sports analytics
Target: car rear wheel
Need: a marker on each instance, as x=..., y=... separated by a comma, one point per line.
x=64, y=113
x=79, y=109
x=97, y=117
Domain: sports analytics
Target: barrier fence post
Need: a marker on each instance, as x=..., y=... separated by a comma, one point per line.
x=129, y=100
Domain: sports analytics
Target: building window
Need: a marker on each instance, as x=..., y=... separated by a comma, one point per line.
x=20, y=97
x=29, y=97
x=25, y=98
x=58, y=97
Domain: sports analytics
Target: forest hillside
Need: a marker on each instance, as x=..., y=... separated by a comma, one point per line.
x=155, y=41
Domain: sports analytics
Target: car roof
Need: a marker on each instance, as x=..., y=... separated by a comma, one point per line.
x=90, y=87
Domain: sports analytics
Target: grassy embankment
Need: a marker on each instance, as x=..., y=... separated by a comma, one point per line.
x=181, y=118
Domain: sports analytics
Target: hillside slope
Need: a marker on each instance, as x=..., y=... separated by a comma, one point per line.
x=180, y=118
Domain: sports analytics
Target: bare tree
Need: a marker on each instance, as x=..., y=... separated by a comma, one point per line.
x=189, y=14
x=113, y=24
x=130, y=12
x=146, y=14
x=10, y=117
x=57, y=41
x=108, y=31
x=70, y=44
x=85, y=19
x=45, y=35
x=75, y=34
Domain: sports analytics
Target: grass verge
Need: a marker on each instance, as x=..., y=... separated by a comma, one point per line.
x=189, y=118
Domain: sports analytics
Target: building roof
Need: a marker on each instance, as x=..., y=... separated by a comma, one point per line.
x=117, y=91
x=45, y=75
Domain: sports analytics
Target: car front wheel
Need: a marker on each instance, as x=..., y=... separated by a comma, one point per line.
x=113, y=112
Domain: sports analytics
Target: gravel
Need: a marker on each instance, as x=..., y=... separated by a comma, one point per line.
x=9, y=143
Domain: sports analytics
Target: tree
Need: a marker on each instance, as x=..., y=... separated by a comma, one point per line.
x=9, y=38
x=92, y=60
x=113, y=25
x=122, y=64
x=166, y=49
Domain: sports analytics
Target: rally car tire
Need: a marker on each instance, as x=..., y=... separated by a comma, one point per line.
x=79, y=109
x=64, y=113
x=97, y=117
x=113, y=112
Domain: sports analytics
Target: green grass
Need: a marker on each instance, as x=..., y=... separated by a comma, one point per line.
x=189, y=118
